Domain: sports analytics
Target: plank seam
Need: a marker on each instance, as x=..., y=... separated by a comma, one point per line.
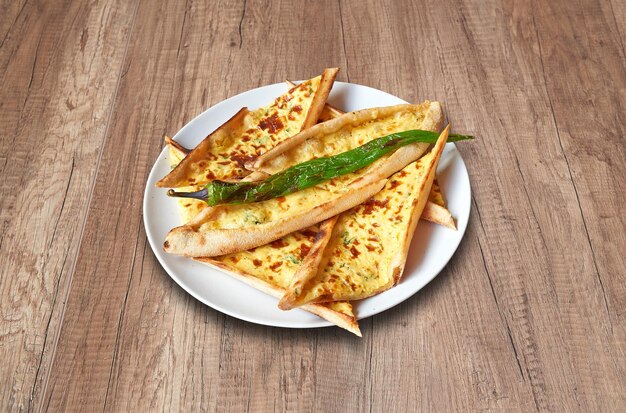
x=56, y=289
x=182, y=29
x=120, y=320
x=243, y=15
x=13, y=24
x=495, y=297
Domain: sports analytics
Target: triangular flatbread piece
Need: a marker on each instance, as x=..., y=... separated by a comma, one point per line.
x=259, y=268
x=368, y=247
x=435, y=210
x=270, y=268
x=229, y=228
x=248, y=134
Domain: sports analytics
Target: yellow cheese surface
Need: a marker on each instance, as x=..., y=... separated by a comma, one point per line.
x=359, y=259
x=274, y=263
x=350, y=136
x=259, y=131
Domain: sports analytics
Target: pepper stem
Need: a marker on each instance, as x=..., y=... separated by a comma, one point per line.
x=201, y=194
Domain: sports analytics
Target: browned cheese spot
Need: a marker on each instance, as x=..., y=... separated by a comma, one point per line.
x=310, y=234
x=369, y=205
x=271, y=123
x=394, y=184
x=241, y=159
x=355, y=253
x=279, y=243
x=304, y=250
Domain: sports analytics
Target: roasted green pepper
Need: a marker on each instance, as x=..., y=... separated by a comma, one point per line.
x=311, y=173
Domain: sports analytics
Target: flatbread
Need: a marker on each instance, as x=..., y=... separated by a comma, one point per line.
x=248, y=134
x=225, y=229
x=367, y=250
x=259, y=267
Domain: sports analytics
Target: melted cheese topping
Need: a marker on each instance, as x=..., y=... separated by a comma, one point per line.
x=349, y=137
x=187, y=207
x=282, y=208
x=435, y=195
x=357, y=261
x=277, y=261
x=259, y=131
x=274, y=263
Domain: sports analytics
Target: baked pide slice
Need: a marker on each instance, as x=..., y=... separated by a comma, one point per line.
x=349, y=131
x=367, y=250
x=248, y=134
x=268, y=268
x=229, y=228
x=435, y=210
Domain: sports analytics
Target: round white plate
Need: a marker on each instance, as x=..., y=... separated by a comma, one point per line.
x=431, y=249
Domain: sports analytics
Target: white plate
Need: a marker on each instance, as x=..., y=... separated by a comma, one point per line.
x=431, y=249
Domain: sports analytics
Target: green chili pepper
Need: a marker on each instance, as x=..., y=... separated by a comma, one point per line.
x=311, y=173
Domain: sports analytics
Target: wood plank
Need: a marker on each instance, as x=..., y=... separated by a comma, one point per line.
x=458, y=309
x=482, y=60
x=96, y=303
x=593, y=144
x=109, y=329
x=60, y=63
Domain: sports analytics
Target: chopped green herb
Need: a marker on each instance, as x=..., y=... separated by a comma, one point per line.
x=292, y=259
x=345, y=238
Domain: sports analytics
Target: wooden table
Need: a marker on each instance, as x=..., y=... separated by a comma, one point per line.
x=530, y=314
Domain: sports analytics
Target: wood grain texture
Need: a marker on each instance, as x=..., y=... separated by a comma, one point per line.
x=60, y=64
x=528, y=315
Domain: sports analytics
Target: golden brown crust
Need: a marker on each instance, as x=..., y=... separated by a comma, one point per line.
x=319, y=100
x=270, y=162
x=335, y=317
x=187, y=240
x=176, y=146
x=309, y=265
x=438, y=214
x=399, y=261
x=177, y=177
x=328, y=112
